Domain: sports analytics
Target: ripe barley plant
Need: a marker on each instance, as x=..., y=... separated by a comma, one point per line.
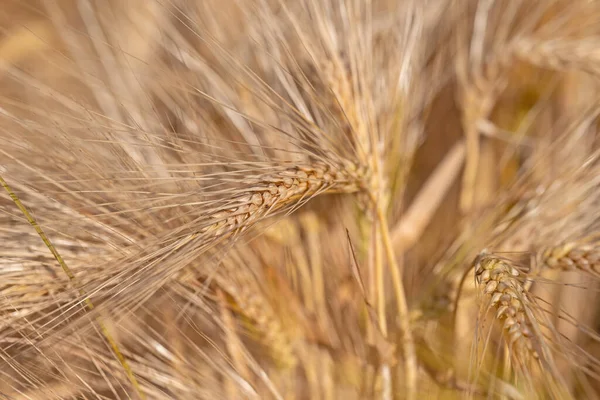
x=310, y=199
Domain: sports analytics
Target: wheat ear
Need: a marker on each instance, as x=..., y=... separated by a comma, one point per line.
x=498, y=280
x=273, y=192
x=561, y=55
x=573, y=256
x=260, y=196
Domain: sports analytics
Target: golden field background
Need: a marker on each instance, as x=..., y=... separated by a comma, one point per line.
x=271, y=199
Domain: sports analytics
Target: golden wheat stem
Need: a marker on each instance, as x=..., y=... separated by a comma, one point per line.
x=379, y=279
x=419, y=214
x=113, y=344
x=408, y=344
x=380, y=302
x=467, y=196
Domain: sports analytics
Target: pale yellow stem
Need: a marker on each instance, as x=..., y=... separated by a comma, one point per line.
x=408, y=344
